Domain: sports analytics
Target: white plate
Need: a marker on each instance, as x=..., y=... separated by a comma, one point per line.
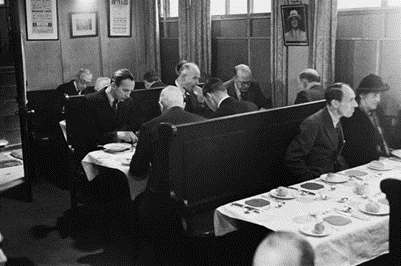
x=385, y=168
x=384, y=209
x=396, y=153
x=116, y=147
x=336, y=179
x=309, y=230
x=291, y=194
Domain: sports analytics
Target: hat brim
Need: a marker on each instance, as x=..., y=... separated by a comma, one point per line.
x=385, y=87
x=294, y=16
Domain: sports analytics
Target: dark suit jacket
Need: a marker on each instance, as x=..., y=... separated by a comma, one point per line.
x=254, y=94
x=195, y=106
x=362, y=138
x=158, y=84
x=89, y=89
x=316, y=150
x=102, y=124
x=67, y=88
x=314, y=93
x=230, y=106
x=145, y=157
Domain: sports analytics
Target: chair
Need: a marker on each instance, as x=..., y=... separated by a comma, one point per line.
x=392, y=188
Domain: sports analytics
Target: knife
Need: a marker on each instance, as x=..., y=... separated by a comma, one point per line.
x=245, y=207
x=353, y=215
x=305, y=191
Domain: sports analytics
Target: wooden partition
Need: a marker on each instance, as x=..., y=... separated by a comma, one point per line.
x=220, y=160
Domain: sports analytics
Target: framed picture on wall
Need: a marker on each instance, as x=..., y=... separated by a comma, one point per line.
x=83, y=24
x=119, y=18
x=295, y=24
x=41, y=20
x=3, y=3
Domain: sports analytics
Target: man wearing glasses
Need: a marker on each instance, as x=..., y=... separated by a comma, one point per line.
x=75, y=87
x=243, y=88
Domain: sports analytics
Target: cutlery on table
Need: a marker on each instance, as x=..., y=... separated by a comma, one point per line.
x=301, y=191
x=247, y=208
x=349, y=213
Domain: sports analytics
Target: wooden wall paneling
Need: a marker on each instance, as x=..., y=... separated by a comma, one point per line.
x=216, y=28
x=260, y=27
x=297, y=61
x=229, y=53
x=172, y=29
x=393, y=24
x=169, y=58
x=359, y=24
x=365, y=59
x=233, y=28
x=260, y=63
x=344, y=65
x=390, y=69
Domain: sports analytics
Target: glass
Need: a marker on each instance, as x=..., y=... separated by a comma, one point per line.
x=345, y=4
x=218, y=7
x=244, y=83
x=173, y=8
x=262, y=6
x=238, y=7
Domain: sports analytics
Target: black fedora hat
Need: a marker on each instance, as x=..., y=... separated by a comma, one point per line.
x=372, y=83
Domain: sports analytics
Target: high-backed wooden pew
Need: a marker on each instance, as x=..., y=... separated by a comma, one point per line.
x=214, y=162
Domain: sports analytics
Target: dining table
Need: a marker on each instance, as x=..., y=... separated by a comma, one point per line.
x=115, y=159
x=349, y=204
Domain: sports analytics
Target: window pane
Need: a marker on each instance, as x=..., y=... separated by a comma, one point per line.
x=161, y=8
x=173, y=8
x=217, y=7
x=262, y=6
x=344, y=4
x=238, y=7
x=394, y=2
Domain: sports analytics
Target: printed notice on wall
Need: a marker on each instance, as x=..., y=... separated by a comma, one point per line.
x=42, y=19
x=120, y=18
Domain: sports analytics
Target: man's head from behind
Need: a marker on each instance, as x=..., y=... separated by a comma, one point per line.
x=188, y=76
x=102, y=82
x=340, y=99
x=284, y=249
x=171, y=96
x=122, y=84
x=308, y=76
x=83, y=78
x=242, y=77
x=214, y=91
x=150, y=77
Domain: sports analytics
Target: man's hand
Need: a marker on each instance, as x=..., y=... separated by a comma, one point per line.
x=127, y=136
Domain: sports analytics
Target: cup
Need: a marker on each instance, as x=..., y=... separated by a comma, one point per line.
x=360, y=188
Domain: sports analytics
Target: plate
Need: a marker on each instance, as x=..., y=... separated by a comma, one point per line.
x=396, y=153
x=291, y=194
x=384, y=168
x=337, y=178
x=309, y=230
x=357, y=173
x=384, y=209
x=116, y=147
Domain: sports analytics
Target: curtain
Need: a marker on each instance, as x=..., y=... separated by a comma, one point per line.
x=194, y=23
x=323, y=36
x=152, y=40
x=279, y=60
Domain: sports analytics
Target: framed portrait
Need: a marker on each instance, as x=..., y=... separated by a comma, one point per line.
x=295, y=24
x=83, y=24
x=41, y=20
x=3, y=3
x=119, y=18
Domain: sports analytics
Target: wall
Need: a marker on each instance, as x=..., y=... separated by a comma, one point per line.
x=369, y=41
x=50, y=63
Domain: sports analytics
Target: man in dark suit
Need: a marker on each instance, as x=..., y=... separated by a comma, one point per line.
x=367, y=132
x=312, y=90
x=243, y=88
x=152, y=80
x=317, y=149
x=82, y=80
x=221, y=103
x=106, y=122
x=159, y=220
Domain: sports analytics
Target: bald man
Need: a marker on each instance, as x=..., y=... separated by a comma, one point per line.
x=243, y=88
x=311, y=88
x=284, y=249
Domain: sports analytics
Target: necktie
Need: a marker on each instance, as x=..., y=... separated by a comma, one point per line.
x=376, y=123
x=339, y=132
x=244, y=96
x=115, y=107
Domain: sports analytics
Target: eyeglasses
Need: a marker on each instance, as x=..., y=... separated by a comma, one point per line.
x=85, y=82
x=244, y=83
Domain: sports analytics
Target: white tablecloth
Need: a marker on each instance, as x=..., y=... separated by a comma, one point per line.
x=10, y=176
x=351, y=244
x=119, y=161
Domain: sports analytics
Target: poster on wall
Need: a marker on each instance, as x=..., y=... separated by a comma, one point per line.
x=119, y=18
x=41, y=20
x=295, y=24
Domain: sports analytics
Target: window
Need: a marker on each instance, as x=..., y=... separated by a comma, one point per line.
x=393, y=2
x=173, y=8
x=345, y=4
x=238, y=7
x=218, y=7
x=262, y=6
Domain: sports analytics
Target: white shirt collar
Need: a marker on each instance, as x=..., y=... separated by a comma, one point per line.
x=181, y=88
x=109, y=96
x=222, y=99
x=237, y=91
x=334, y=118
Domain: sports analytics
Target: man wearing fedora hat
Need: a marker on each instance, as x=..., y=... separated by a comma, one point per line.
x=366, y=132
x=295, y=34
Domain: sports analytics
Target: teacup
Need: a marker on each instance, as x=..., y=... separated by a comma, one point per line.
x=360, y=188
